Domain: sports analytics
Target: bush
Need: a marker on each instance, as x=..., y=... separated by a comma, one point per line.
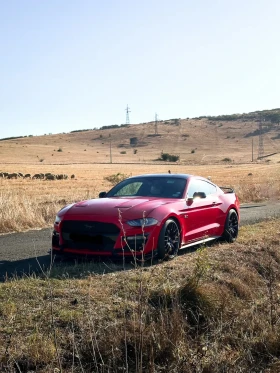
x=193, y=151
x=164, y=156
x=84, y=130
x=59, y=150
x=226, y=159
x=116, y=178
x=123, y=152
x=135, y=151
x=225, y=117
x=133, y=141
x=169, y=157
x=173, y=158
x=12, y=138
x=113, y=126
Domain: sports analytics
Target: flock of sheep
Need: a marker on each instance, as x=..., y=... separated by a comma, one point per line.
x=47, y=176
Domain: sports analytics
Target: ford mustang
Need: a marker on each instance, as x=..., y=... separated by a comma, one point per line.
x=148, y=215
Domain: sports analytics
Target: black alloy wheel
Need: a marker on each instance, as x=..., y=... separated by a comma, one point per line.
x=169, y=240
x=231, y=227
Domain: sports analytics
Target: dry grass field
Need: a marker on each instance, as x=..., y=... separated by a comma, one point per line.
x=27, y=203
x=222, y=150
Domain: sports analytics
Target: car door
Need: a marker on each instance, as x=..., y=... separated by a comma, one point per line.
x=201, y=214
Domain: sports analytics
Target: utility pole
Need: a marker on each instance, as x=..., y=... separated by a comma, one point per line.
x=252, y=149
x=110, y=149
x=261, y=149
x=156, y=124
x=127, y=114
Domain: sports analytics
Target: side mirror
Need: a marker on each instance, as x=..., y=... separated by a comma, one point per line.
x=199, y=195
x=102, y=194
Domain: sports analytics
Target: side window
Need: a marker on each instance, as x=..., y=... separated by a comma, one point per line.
x=209, y=188
x=201, y=186
x=194, y=186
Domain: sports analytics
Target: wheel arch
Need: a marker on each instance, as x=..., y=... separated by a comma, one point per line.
x=233, y=207
x=177, y=220
x=167, y=246
x=226, y=233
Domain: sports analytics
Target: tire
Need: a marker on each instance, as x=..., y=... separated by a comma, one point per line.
x=231, y=227
x=169, y=240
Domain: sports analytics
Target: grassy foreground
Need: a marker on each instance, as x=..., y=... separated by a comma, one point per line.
x=212, y=310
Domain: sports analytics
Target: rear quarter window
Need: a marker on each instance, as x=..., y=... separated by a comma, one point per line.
x=197, y=185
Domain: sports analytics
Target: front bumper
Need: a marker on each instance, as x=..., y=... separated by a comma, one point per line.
x=103, y=239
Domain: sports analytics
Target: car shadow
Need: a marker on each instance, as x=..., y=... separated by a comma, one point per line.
x=23, y=268
x=61, y=267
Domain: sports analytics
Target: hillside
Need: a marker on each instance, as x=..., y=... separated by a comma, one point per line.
x=204, y=140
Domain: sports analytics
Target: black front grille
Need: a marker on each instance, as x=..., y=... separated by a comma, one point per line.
x=89, y=235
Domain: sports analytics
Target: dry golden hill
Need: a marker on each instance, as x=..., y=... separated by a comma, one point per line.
x=195, y=141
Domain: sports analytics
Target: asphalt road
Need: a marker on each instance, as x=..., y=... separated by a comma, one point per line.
x=23, y=253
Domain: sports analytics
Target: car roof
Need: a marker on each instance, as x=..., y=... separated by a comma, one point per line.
x=167, y=175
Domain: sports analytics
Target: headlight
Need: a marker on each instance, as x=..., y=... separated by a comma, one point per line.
x=57, y=219
x=145, y=222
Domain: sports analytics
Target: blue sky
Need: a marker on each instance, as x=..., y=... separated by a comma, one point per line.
x=76, y=64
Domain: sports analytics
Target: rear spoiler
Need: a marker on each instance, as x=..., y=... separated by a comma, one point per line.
x=226, y=189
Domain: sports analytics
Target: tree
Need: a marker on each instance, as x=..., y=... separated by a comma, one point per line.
x=274, y=118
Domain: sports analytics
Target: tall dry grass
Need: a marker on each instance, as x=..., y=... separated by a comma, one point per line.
x=27, y=204
x=206, y=311
x=258, y=191
x=31, y=208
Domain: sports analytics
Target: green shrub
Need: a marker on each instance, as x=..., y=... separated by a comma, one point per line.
x=164, y=156
x=116, y=178
x=226, y=159
x=169, y=157
x=123, y=152
x=59, y=150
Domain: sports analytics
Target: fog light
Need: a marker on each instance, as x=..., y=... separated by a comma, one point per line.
x=137, y=237
x=137, y=242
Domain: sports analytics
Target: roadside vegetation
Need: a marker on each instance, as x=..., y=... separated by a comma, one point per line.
x=212, y=310
x=28, y=204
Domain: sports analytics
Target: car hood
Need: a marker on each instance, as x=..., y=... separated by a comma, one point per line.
x=128, y=207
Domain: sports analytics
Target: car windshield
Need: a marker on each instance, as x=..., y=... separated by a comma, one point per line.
x=161, y=187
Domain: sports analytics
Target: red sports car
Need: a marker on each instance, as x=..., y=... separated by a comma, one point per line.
x=154, y=215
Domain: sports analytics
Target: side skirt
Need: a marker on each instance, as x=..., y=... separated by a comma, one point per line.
x=204, y=240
